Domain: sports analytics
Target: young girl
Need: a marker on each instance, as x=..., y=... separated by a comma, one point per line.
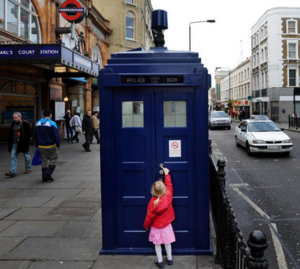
x=160, y=214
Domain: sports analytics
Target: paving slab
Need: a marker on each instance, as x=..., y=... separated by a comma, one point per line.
x=33, y=228
x=59, y=192
x=26, y=202
x=57, y=249
x=55, y=202
x=8, y=244
x=4, y=212
x=61, y=265
x=81, y=204
x=90, y=185
x=5, y=224
x=9, y=185
x=57, y=185
x=23, y=193
x=15, y=264
x=93, y=178
x=73, y=229
x=32, y=214
x=7, y=192
x=88, y=193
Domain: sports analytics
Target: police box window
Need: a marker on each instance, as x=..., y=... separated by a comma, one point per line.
x=175, y=114
x=20, y=18
x=133, y=114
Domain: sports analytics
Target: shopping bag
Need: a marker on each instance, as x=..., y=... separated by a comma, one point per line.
x=36, y=160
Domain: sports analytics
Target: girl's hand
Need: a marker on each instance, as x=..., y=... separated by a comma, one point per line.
x=166, y=170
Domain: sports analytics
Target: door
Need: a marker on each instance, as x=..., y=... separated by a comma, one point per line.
x=150, y=128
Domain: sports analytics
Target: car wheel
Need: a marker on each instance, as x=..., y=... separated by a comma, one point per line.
x=229, y=128
x=249, y=153
x=210, y=127
x=237, y=143
x=286, y=153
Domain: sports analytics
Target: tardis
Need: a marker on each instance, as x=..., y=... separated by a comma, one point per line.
x=154, y=111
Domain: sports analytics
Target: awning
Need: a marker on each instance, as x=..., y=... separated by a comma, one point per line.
x=57, y=59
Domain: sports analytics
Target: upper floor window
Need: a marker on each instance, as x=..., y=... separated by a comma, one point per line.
x=130, y=21
x=291, y=27
x=19, y=17
x=130, y=1
x=292, y=53
x=96, y=55
x=292, y=77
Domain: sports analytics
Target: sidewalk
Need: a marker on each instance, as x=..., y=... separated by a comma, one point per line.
x=58, y=224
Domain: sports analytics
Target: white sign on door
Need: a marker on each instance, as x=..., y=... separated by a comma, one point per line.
x=174, y=148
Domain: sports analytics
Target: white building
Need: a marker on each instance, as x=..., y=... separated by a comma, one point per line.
x=275, y=59
x=236, y=87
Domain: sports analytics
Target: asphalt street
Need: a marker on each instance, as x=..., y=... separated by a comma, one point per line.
x=264, y=190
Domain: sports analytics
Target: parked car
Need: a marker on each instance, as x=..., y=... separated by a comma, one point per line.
x=219, y=119
x=262, y=136
x=259, y=117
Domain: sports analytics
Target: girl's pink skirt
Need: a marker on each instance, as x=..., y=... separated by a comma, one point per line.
x=162, y=236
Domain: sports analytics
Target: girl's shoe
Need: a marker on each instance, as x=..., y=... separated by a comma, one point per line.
x=159, y=264
x=169, y=262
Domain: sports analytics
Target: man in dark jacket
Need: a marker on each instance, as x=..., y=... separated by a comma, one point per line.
x=18, y=141
x=46, y=138
x=87, y=130
x=69, y=129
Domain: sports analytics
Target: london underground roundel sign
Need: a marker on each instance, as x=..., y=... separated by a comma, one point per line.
x=72, y=11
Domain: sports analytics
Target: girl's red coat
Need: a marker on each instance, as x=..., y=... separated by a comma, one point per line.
x=163, y=214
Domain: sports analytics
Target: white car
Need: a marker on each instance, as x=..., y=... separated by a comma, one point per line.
x=219, y=119
x=262, y=136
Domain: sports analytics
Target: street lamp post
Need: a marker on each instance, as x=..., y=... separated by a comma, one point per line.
x=210, y=21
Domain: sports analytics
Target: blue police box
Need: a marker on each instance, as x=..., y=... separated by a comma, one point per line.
x=154, y=111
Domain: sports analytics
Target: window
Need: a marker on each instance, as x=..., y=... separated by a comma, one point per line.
x=130, y=20
x=291, y=26
x=133, y=114
x=262, y=56
x=20, y=18
x=175, y=114
x=96, y=55
x=257, y=59
x=292, y=77
x=291, y=50
x=130, y=1
x=262, y=80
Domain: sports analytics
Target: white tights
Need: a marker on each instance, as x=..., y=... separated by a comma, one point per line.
x=159, y=254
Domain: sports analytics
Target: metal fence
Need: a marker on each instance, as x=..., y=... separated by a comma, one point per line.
x=232, y=250
x=294, y=122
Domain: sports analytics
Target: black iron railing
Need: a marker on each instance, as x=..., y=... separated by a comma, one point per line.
x=294, y=122
x=232, y=250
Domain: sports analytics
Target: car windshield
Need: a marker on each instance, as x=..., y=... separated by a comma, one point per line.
x=218, y=114
x=260, y=117
x=263, y=127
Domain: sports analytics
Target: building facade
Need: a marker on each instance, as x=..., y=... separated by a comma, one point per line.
x=130, y=21
x=275, y=60
x=219, y=103
x=30, y=87
x=240, y=91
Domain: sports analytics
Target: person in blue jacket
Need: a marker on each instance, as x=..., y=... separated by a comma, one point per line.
x=46, y=138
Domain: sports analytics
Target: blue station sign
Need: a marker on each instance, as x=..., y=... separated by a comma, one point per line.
x=47, y=54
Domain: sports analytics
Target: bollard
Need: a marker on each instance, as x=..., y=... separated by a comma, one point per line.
x=257, y=243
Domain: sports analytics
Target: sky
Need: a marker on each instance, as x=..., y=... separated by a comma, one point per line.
x=224, y=43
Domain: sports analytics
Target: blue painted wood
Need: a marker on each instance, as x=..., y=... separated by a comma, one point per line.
x=130, y=157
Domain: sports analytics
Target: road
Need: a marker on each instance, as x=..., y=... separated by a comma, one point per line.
x=266, y=195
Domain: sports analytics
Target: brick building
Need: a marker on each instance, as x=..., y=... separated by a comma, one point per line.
x=130, y=21
x=29, y=86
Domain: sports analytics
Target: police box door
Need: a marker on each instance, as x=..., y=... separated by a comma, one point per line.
x=153, y=127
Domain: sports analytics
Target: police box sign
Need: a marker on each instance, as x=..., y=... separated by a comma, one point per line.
x=152, y=79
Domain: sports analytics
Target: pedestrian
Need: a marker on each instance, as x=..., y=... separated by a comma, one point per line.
x=240, y=115
x=75, y=123
x=248, y=113
x=69, y=129
x=95, y=127
x=18, y=141
x=160, y=214
x=87, y=129
x=46, y=138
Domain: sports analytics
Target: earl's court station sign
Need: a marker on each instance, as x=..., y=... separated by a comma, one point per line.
x=53, y=57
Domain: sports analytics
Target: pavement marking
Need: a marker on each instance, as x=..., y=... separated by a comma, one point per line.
x=239, y=185
x=278, y=244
